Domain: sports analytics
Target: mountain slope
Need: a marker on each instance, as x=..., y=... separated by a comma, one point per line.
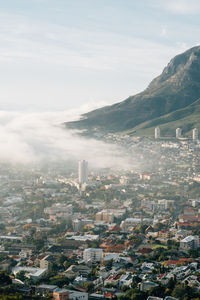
x=177, y=87
x=187, y=118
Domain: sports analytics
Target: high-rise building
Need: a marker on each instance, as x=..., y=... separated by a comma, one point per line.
x=157, y=133
x=195, y=134
x=83, y=171
x=178, y=133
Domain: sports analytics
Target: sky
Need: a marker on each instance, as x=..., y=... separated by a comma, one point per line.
x=60, y=55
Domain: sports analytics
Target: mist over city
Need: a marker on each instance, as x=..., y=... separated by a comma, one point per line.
x=39, y=138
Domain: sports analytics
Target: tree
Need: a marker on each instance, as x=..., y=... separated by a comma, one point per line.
x=184, y=292
x=60, y=281
x=157, y=291
x=4, y=279
x=61, y=259
x=89, y=286
x=141, y=228
x=159, y=226
x=135, y=281
x=21, y=275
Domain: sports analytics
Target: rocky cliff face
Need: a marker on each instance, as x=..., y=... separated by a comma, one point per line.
x=176, y=88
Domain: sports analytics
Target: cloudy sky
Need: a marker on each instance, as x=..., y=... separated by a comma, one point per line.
x=61, y=54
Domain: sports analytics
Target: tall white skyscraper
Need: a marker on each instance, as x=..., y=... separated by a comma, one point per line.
x=83, y=171
x=195, y=134
x=157, y=133
x=178, y=133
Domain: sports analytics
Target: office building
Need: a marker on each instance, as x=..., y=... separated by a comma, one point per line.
x=83, y=171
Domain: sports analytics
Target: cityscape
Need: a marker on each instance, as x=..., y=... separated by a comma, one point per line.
x=80, y=233
x=100, y=150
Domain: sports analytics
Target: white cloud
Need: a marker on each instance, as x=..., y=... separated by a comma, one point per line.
x=182, y=7
x=25, y=41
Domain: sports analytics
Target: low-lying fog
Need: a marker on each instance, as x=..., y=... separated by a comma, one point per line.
x=41, y=137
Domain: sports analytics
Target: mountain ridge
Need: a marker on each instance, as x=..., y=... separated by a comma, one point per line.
x=176, y=88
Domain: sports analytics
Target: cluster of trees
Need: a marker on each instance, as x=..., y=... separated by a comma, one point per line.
x=4, y=279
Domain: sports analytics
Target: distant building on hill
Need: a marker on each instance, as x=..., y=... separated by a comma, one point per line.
x=178, y=133
x=157, y=133
x=195, y=134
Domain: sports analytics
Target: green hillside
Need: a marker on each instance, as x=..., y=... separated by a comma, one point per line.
x=186, y=118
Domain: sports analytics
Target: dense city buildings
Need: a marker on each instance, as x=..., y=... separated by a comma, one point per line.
x=132, y=230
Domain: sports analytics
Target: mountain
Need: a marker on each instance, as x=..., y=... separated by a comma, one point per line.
x=171, y=100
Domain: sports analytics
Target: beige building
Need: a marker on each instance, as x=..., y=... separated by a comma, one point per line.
x=46, y=261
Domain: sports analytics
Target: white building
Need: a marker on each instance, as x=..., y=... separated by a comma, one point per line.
x=190, y=242
x=178, y=133
x=30, y=272
x=75, y=295
x=166, y=203
x=157, y=133
x=128, y=223
x=92, y=255
x=195, y=134
x=62, y=294
x=126, y=280
x=83, y=171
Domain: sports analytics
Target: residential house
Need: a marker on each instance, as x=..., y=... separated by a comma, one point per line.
x=77, y=270
x=126, y=280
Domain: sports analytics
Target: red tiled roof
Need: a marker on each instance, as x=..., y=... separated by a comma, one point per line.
x=145, y=250
x=109, y=295
x=115, y=228
x=178, y=261
x=186, y=224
